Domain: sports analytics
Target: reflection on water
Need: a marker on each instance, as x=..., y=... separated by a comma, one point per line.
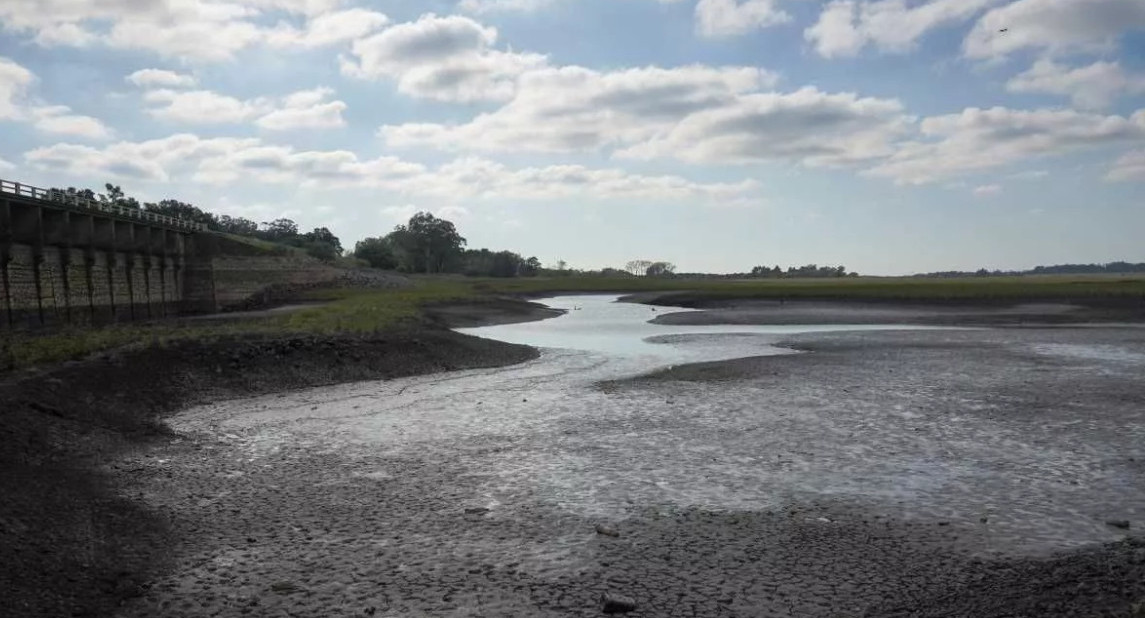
x=600, y=324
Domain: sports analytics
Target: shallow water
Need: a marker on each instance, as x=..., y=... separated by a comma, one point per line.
x=543, y=433
x=621, y=331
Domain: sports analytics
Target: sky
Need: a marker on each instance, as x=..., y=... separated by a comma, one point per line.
x=889, y=136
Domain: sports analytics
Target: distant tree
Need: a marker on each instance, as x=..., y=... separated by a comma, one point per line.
x=279, y=229
x=562, y=265
x=237, y=225
x=377, y=252
x=427, y=244
x=324, y=236
x=660, y=269
x=638, y=267
x=183, y=210
x=530, y=267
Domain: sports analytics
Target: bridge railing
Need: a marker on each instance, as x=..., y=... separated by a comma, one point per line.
x=58, y=196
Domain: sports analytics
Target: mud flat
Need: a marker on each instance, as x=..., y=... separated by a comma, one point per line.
x=966, y=472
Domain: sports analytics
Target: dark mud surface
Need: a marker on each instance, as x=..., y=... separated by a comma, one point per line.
x=894, y=473
x=72, y=543
x=883, y=473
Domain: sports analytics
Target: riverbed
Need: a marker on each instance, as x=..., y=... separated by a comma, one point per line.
x=793, y=470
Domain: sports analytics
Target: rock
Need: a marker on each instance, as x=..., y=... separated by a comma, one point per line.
x=478, y=510
x=1122, y=524
x=284, y=587
x=606, y=531
x=611, y=603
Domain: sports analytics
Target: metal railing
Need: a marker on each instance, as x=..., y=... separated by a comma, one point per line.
x=58, y=196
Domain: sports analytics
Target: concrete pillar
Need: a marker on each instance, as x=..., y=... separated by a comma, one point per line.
x=56, y=228
x=125, y=243
x=83, y=235
x=28, y=226
x=6, y=258
x=103, y=236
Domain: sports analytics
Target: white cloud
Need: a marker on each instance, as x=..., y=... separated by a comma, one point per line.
x=59, y=119
x=444, y=58
x=197, y=30
x=64, y=34
x=1056, y=26
x=719, y=18
x=1090, y=87
x=227, y=160
x=14, y=82
x=307, y=109
x=5, y=165
x=202, y=107
x=807, y=126
x=401, y=214
x=152, y=78
x=496, y=6
x=1130, y=167
x=846, y=26
x=1030, y=175
x=987, y=190
x=330, y=28
x=573, y=108
x=15, y=105
x=980, y=139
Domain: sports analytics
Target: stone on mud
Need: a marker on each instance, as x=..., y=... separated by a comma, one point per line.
x=607, y=531
x=612, y=603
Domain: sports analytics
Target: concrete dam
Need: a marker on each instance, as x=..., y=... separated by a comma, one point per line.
x=69, y=260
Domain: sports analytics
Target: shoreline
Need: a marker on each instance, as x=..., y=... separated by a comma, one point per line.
x=73, y=544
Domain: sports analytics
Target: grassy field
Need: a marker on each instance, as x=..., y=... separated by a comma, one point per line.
x=362, y=311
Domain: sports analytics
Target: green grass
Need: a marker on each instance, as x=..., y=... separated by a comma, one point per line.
x=359, y=311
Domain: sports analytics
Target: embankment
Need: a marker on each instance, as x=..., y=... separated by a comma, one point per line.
x=71, y=544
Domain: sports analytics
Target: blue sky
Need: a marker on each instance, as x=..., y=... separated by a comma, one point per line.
x=892, y=136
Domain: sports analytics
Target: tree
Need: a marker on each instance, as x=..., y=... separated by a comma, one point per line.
x=183, y=210
x=638, y=267
x=325, y=236
x=429, y=244
x=279, y=229
x=237, y=225
x=660, y=269
x=377, y=252
x=531, y=267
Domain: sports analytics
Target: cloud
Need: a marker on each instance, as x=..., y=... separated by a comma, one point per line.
x=5, y=165
x=59, y=119
x=443, y=58
x=845, y=27
x=497, y=6
x=307, y=109
x=980, y=139
x=572, y=109
x=987, y=190
x=1129, y=168
x=721, y=18
x=152, y=78
x=807, y=126
x=184, y=29
x=1091, y=87
x=14, y=83
x=401, y=214
x=330, y=29
x=226, y=160
x=1055, y=26
x=202, y=107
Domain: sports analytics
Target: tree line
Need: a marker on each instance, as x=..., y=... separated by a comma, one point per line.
x=1110, y=268
x=320, y=242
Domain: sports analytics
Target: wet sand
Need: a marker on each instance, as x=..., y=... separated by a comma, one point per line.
x=929, y=473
